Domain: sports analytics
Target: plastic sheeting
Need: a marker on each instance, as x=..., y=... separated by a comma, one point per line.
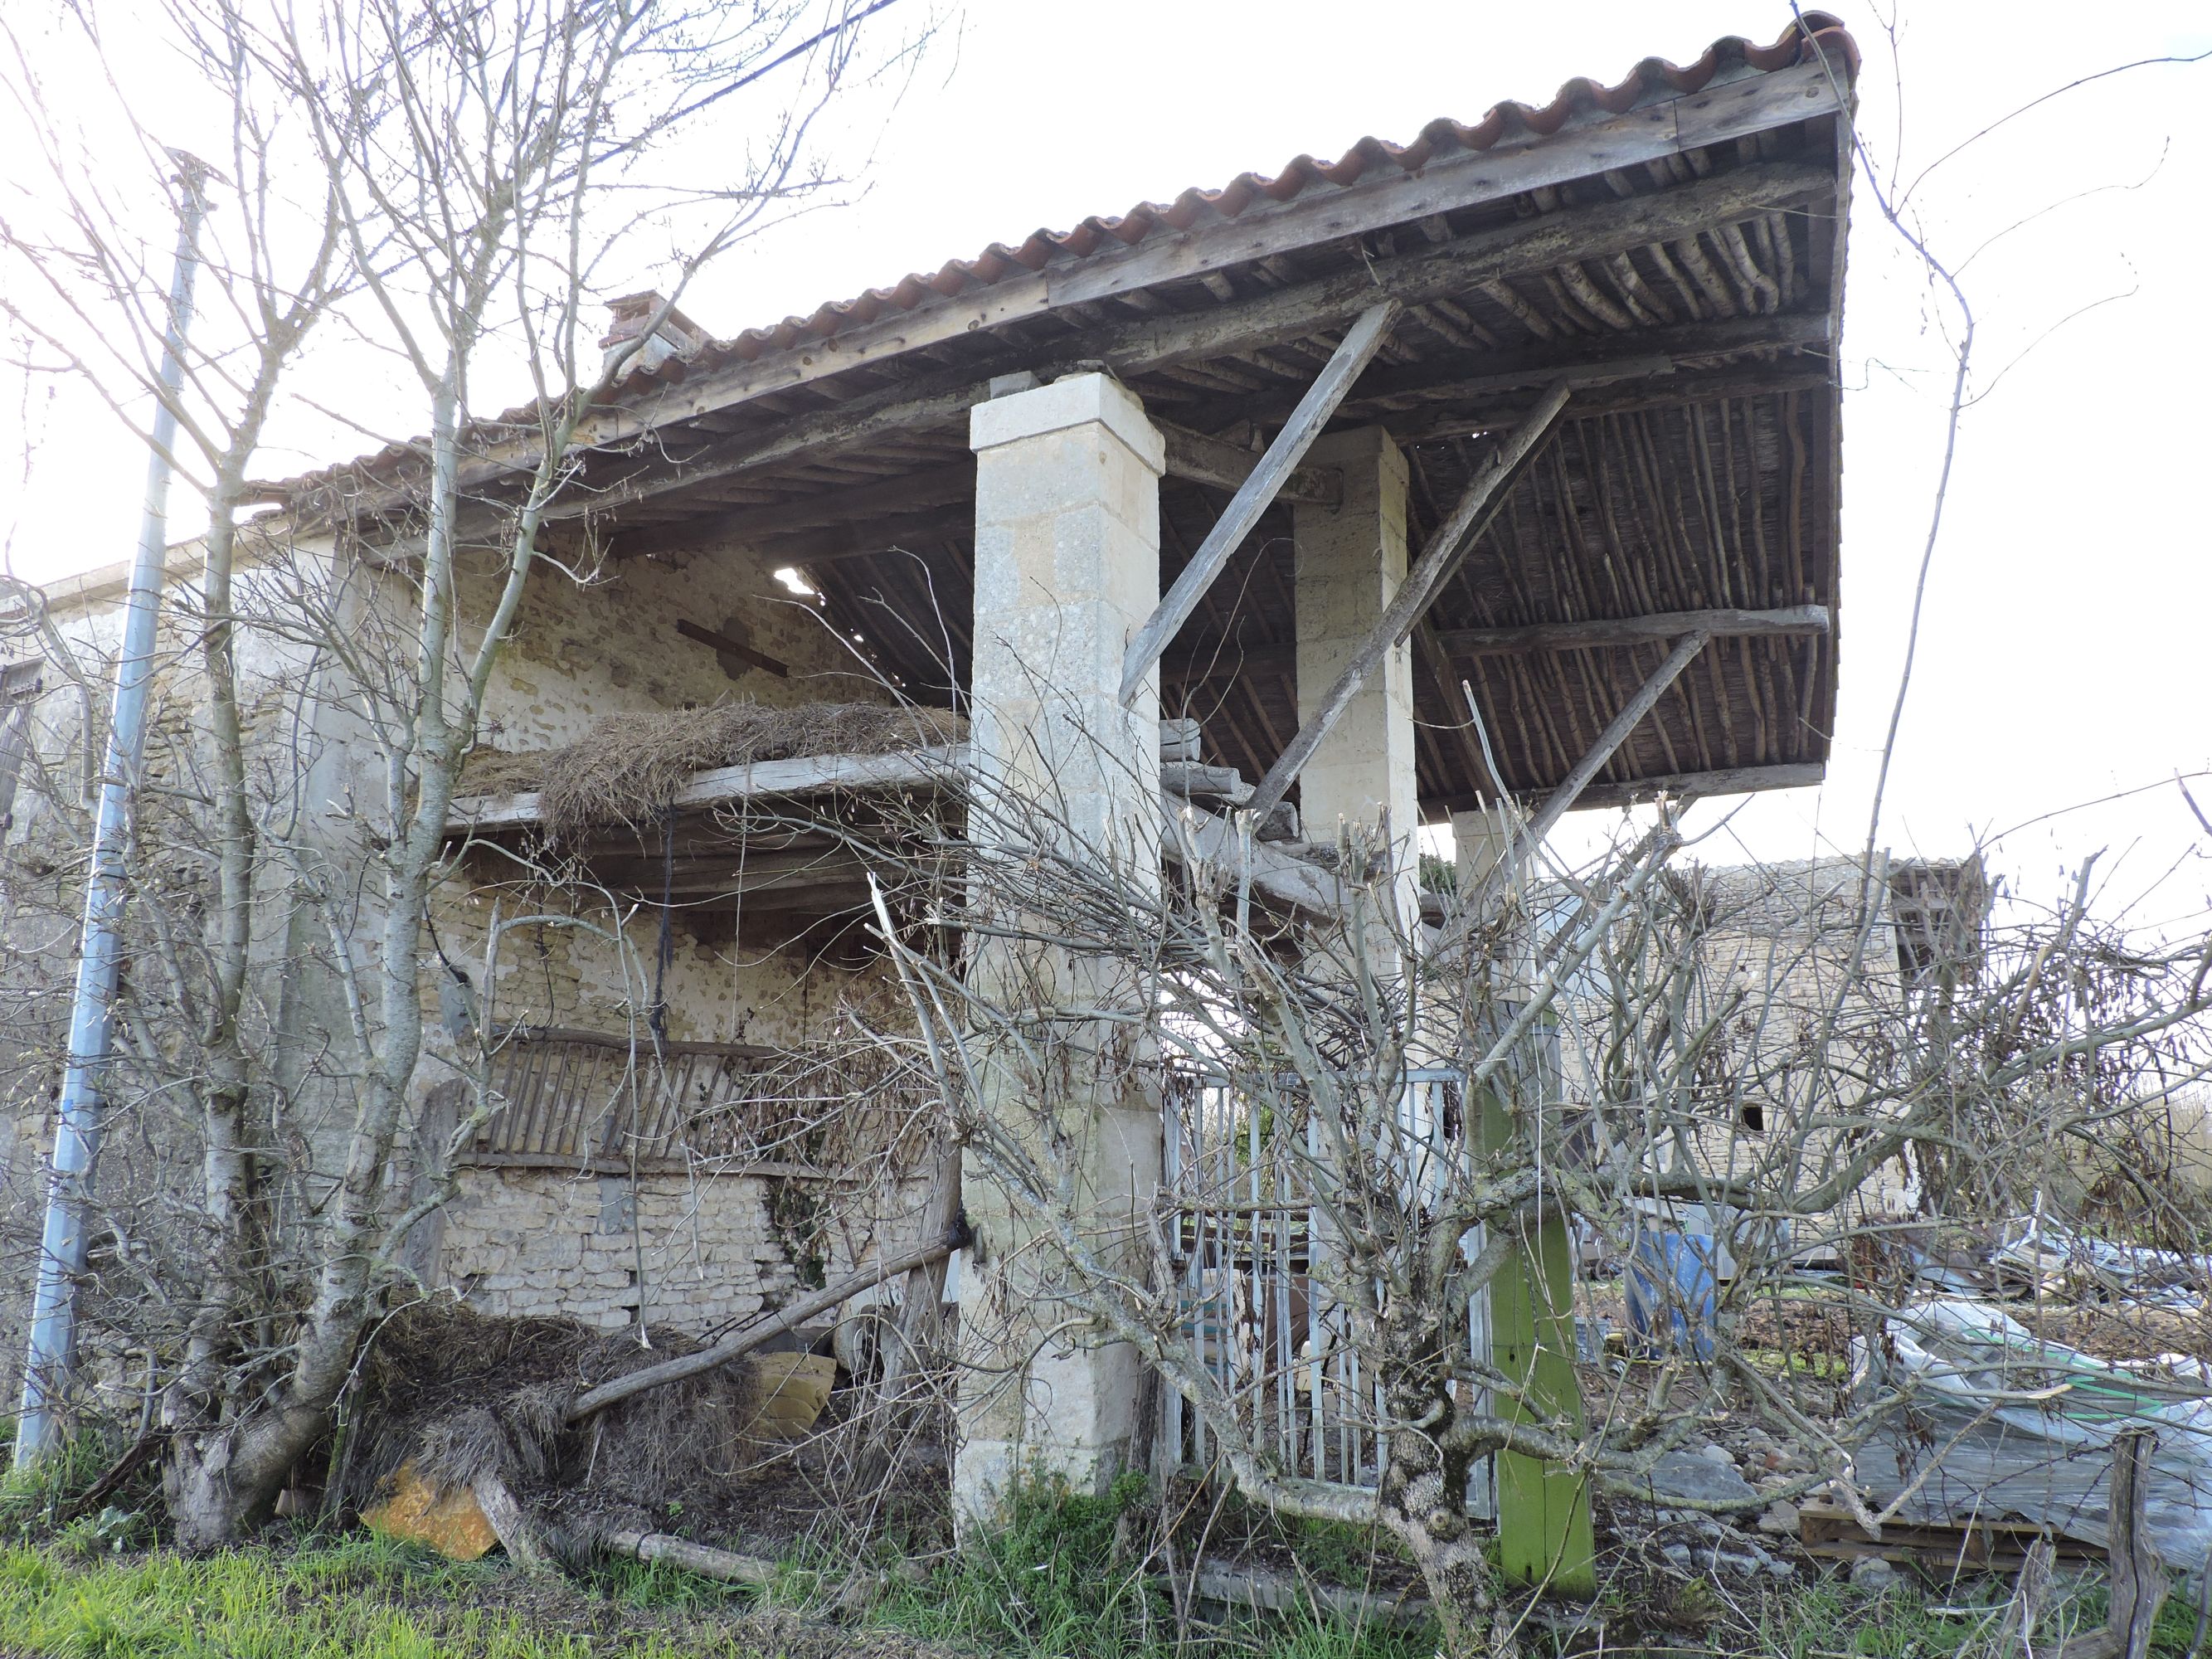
x=2000, y=1423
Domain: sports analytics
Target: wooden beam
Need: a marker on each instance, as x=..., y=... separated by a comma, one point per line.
x=1198, y=459
x=863, y=508
x=1146, y=343
x=1615, y=733
x=1193, y=835
x=723, y=643
x=1676, y=391
x=1621, y=356
x=924, y=533
x=1795, y=620
x=857, y=523
x=906, y=769
x=1354, y=353
x=1448, y=547
x=1681, y=786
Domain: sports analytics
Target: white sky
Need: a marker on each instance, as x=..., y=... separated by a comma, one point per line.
x=2064, y=652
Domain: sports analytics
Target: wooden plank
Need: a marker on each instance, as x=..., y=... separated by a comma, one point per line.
x=906, y=769
x=1615, y=733
x=1196, y=836
x=1198, y=459
x=1354, y=353
x=573, y=1163
x=1658, y=627
x=1448, y=547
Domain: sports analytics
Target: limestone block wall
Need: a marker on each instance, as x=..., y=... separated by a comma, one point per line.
x=578, y=651
x=691, y=1253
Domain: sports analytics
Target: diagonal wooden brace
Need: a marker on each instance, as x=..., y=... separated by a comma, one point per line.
x=1356, y=350
x=1447, y=550
x=1609, y=741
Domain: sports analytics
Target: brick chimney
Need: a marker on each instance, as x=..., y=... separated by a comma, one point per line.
x=676, y=337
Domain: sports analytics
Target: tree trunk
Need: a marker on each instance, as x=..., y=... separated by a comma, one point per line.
x=1422, y=1502
x=219, y=1483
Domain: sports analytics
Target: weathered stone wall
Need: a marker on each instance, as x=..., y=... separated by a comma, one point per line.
x=515, y=1241
x=542, y=1243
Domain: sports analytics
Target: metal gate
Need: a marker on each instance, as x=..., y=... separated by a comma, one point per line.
x=1238, y=1173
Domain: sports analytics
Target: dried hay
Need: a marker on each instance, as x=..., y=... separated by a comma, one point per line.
x=628, y=767
x=459, y=1393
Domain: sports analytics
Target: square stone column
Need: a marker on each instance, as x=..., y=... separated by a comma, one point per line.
x=1351, y=562
x=1067, y=569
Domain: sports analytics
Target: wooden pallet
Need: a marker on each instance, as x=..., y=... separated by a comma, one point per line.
x=1937, y=1546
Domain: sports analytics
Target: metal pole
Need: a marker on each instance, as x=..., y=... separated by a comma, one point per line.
x=77, y=1137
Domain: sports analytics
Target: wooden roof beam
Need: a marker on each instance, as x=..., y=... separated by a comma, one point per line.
x=1196, y=459
x=1447, y=550
x=1258, y=491
x=1681, y=786
x=1792, y=621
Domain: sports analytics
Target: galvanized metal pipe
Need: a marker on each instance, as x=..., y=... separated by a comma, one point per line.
x=77, y=1137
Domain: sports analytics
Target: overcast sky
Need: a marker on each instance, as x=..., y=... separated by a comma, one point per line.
x=2063, y=650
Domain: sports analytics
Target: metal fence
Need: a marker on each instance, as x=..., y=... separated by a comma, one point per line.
x=1240, y=1168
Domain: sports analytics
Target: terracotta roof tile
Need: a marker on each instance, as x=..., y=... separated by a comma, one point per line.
x=1653, y=80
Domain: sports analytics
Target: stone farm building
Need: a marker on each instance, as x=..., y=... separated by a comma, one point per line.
x=1544, y=406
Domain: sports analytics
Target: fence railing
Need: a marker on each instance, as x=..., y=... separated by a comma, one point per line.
x=1253, y=1252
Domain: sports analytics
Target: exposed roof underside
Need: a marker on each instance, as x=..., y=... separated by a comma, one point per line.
x=1673, y=243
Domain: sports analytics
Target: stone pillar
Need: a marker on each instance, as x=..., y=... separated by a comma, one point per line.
x=1067, y=569
x=1351, y=560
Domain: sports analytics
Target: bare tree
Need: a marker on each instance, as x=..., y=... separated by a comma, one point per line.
x=1373, y=1121
x=449, y=185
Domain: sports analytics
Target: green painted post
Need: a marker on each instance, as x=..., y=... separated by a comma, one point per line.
x=1544, y=1534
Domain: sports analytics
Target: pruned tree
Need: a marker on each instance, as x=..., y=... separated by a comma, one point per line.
x=1375, y=1126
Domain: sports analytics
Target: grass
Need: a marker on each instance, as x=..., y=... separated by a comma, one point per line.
x=1066, y=1579
x=1825, y=1621
x=1063, y=1581
x=358, y=1597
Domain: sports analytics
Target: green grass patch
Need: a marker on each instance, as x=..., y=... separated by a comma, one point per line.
x=357, y=1599
x=1066, y=1578
x=1827, y=1621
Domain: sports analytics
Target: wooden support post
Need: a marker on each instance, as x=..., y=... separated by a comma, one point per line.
x=1443, y=557
x=1612, y=737
x=1545, y=1534
x=1354, y=353
x=2138, y=1576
